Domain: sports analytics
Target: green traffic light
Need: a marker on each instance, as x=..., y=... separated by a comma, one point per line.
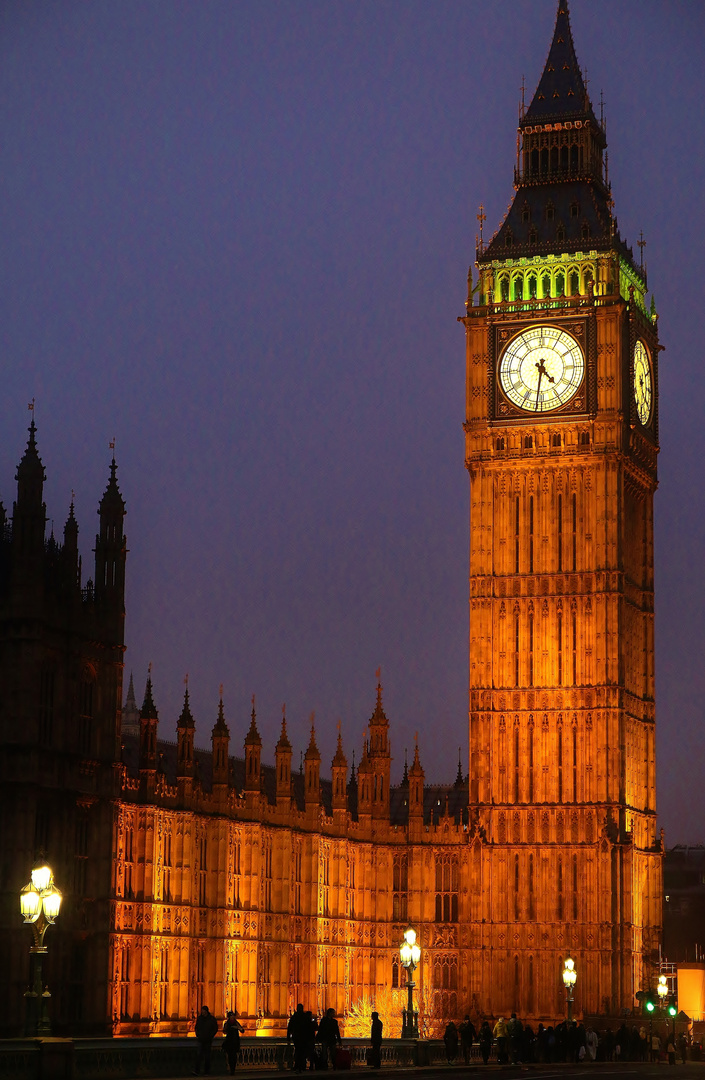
x=672, y=1010
x=650, y=1006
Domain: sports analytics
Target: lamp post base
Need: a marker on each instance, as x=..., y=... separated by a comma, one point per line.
x=410, y=1024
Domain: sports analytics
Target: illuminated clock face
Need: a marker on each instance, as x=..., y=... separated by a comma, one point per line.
x=642, y=383
x=541, y=369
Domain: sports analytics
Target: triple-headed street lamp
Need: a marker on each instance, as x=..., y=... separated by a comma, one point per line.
x=569, y=977
x=40, y=902
x=410, y=954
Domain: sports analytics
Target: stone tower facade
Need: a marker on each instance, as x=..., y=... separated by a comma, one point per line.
x=61, y=655
x=561, y=439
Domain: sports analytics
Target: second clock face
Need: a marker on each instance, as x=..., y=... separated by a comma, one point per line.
x=541, y=369
x=642, y=383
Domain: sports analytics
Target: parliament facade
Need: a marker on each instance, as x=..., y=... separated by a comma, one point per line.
x=195, y=876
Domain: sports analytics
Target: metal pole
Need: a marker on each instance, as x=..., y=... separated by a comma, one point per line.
x=570, y=1005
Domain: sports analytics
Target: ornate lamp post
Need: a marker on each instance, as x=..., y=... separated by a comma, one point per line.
x=662, y=991
x=40, y=902
x=410, y=954
x=569, y=977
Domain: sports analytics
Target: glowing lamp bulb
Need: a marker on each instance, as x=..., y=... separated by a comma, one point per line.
x=42, y=877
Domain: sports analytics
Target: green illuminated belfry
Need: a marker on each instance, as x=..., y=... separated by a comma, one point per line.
x=563, y=204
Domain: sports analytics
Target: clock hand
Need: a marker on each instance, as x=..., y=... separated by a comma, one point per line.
x=538, y=388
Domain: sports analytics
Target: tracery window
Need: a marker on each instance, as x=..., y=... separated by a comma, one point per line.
x=447, y=885
x=400, y=883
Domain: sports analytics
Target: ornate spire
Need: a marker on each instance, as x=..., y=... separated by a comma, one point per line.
x=149, y=709
x=30, y=472
x=112, y=499
x=312, y=754
x=561, y=91
x=186, y=719
x=283, y=743
x=416, y=769
x=220, y=727
x=130, y=701
x=340, y=758
x=253, y=736
x=459, y=777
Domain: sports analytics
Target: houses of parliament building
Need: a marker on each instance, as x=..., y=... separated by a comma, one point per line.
x=194, y=876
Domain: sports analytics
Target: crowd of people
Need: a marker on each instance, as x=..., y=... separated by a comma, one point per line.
x=512, y=1042
x=317, y=1043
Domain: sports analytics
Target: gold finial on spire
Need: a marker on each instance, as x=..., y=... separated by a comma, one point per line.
x=482, y=218
x=186, y=680
x=642, y=244
x=221, y=691
x=30, y=406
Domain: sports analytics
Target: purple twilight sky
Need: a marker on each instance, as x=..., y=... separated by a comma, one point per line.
x=235, y=237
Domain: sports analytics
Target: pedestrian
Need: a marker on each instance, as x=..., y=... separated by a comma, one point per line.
x=500, y=1034
x=467, y=1038
x=655, y=1047
x=296, y=1033
x=671, y=1049
x=231, y=1039
x=311, y=1028
x=206, y=1031
x=450, y=1038
x=485, y=1040
x=682, y=1047
x=591, y=1043
x=515, y=1030
x=376, y=1040
x=329, y=1036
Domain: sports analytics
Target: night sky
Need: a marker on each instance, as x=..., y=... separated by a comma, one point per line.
x=235, y=238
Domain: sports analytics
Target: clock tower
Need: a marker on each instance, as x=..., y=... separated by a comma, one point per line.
x=561, y=440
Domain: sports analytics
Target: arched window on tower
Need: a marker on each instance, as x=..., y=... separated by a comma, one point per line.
x=574, y=283
x=546, y=285
x=532, y=283
x=504, y=287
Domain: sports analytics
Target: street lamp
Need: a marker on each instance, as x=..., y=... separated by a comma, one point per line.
x=410, y=954
x=40, y=902
x=569, y=977
x=662, y=990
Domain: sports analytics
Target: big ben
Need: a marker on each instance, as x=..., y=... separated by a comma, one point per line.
x=561, y=441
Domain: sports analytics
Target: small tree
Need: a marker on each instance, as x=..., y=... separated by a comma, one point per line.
x=388, y=1003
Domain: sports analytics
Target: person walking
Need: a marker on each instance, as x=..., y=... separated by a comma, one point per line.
x=485, y=1039
x=232, y=1029
x=376, y=1040
x=500, y=1034
x=450, y=1038
x=515, y=1031
x=297, y=1033
x=467, y=1038
x=206, y=1031
x=329, y=1036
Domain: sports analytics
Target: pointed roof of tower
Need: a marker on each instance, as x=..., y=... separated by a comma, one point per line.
x=459, y=776
x=283, y=743
x=220, y=727
x=561, y=91
x=379, y=716
x=340, y=759
x=130, y=700
x=186, y=719
x=30, y=467
x=112, y=499
x=253, y=736
x=149, y=709
x=416, y=768
x=71, y=527
x=312, y=754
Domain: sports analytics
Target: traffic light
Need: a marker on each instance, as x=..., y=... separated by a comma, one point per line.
x=648, y=1000
x=672, y=1005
